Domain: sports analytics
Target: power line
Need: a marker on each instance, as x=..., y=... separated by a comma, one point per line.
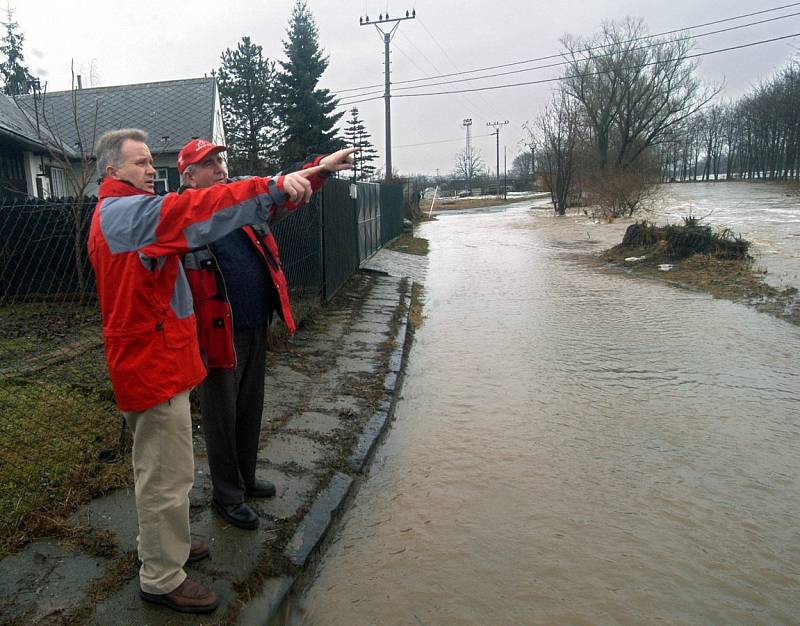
x=560, y=63
x=633, y=67
x=558, y=78
x=452, y=63
x=429, y=143
x=591, y=48
x=635, y=39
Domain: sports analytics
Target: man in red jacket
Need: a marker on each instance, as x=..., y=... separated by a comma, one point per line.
x=150, y=333
x=237, y=282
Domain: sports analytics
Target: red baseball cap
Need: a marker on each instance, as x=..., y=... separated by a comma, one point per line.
x=195, y=151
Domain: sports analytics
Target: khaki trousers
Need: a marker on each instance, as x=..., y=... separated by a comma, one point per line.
x=163, y=472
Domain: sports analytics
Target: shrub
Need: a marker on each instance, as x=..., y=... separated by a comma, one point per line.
x=684, y=240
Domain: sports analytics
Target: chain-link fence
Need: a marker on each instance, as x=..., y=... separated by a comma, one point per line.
x=58, y=423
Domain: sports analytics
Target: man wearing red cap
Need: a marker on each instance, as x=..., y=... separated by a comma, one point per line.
x=237, y=282
x=150, y=335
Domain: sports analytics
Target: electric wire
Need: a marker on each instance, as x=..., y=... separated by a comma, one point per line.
x=591, y=48
x=633, y=67
x=428, y=143
x=561, y=63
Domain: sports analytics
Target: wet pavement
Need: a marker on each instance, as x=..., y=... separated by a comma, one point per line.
x=329, y=395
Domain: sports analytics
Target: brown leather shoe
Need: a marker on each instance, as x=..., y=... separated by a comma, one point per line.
x=188, y=597
x=198, y=551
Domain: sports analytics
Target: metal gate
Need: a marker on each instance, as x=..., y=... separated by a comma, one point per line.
x=369, y=219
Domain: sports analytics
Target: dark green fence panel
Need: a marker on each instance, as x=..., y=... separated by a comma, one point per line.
x=339, y=235
x=43, y=243
x=43, y=248
x=300, y=245
x=391, y=212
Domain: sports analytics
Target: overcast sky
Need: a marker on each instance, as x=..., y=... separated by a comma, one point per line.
x=153, y=40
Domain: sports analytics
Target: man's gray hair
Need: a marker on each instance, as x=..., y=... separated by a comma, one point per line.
x=108, y=150
x=184, y=178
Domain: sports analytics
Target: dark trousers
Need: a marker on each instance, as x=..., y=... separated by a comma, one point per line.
x=232, y=402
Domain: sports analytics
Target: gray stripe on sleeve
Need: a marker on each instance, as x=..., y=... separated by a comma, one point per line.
x=254, y=210
x=278, y=197
x=129, y=222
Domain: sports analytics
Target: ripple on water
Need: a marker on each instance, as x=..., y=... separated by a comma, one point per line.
x=575, y=447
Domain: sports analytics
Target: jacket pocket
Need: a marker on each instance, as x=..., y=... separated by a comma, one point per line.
x=215, y=332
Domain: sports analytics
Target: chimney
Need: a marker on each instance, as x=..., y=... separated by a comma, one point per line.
x=80, y=85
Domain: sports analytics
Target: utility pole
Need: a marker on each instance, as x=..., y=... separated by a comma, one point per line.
x=467, y=123
x=505, y=172
x=387, y=38
x=497, y=126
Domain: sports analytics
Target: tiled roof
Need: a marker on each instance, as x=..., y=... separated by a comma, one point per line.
x=15, y=125
x=172, y=112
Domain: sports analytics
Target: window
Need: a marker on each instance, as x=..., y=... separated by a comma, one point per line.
x=162, y=180
x=58, y=186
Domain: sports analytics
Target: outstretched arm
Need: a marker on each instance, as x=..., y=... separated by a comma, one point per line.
x=298, y=185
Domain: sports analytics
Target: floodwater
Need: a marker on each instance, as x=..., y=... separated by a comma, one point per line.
x=574, y=446
x=766, y=214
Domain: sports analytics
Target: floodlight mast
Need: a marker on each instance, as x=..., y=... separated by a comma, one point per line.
x=387, y=38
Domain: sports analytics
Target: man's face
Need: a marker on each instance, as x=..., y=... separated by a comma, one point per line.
x=210, y=171
x=136, y=166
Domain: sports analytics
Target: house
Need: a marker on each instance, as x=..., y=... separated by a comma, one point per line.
x=23, y=151
x=59, y=123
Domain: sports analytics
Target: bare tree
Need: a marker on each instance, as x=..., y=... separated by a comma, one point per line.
x=559, y=132
x=632, y=94
x=522, y=166
x=77, y=162
x=468, y=166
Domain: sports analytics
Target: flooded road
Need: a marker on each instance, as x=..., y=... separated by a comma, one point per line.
x=574, y=447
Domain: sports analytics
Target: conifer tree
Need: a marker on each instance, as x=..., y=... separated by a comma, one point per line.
x=247, y=86
x=307, y=115
x=17, y=80
x=356, y=136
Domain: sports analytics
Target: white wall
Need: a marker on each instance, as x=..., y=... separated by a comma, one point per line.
x=32, y=169
x=218, y=130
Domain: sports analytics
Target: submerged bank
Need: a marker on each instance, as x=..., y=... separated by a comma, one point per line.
x=695, y=257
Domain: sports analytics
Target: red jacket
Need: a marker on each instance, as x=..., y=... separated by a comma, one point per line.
x=211, y=304
x=134, y=245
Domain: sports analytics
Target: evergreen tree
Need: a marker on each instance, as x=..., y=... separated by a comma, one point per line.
x=247, y=85
x=307, y=114
x=17, y=80
x=356, y=136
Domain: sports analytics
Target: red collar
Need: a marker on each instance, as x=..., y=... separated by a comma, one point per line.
x=112, y=188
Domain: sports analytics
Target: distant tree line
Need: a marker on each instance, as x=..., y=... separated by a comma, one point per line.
x=629, y=111
x=756, y=137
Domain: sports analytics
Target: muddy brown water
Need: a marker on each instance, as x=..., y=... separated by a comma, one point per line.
x=574, y=447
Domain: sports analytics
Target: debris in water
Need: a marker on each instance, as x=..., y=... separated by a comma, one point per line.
x=633, y=259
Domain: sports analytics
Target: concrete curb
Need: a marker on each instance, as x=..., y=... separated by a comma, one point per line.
x=392, y=383
x=329, y=503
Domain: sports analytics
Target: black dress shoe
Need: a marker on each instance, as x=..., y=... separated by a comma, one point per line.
x=260, y=489
x=239, y=514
